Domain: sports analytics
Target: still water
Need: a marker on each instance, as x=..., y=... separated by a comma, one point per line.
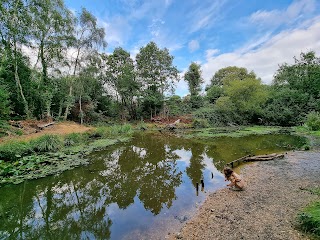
x=135, y=190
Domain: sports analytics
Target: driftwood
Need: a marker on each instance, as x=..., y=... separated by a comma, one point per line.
x=15, y=124
x=172, y=126
x=250, y=158
x=42, y=126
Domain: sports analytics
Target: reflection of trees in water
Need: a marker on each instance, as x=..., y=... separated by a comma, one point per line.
x=196, y=167
x=61, y=211
x=148, y=170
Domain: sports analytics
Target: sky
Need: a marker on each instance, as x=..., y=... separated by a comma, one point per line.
x=258, y=35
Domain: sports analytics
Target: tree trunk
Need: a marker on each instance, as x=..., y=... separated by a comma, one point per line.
x=80, y=111
x=16, y=76
x=68, y=102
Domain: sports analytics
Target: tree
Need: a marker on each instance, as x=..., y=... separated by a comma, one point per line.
x=88, y=37
x=303, y=75
x=122, y=77
x=157, y=73
x=213, y=93
x=5, y=108
x=228, y=74
x=194, y=79
x=286, y=107
x=51, y=32
x=14, y=19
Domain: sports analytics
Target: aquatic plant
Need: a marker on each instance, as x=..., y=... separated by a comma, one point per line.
x=13, y=150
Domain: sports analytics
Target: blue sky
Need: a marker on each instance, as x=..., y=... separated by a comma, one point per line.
x=255, y=34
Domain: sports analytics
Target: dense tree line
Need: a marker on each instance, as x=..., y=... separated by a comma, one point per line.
x=52, y=65
x=71, y=77
x=236, y=96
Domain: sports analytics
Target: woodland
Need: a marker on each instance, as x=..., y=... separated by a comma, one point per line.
x=53, y=65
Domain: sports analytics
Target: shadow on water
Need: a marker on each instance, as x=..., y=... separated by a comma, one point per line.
x=129, y=190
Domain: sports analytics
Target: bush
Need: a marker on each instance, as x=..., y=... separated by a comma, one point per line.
x=313, y=121
x=309, y=220
x=200, y=123
x=47, y=143
x=121, y=129
x=74, y=139
x=11, y=151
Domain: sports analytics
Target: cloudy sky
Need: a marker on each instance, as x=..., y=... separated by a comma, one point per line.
x=255, y=34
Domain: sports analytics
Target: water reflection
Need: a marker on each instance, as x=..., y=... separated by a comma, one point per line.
x=127, y=189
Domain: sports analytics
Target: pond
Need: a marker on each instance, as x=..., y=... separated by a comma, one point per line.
x=143, y=188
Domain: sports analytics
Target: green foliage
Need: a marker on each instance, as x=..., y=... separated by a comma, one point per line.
x=156, y=71
x=174, y=103
x=248, y=97
x=74, y=139
x=194, y=79
x=122, y=76
x=5, y=108
x=313, y=121
x=200, y=123
x=286, y=107
x=309, y=219
x=213, y=93
x=125, y=129
x=47, y=143
x=13, y=150
x=226, y=75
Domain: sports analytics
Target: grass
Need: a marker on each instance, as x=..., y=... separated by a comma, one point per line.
x=47, y=143
x=12, y=150
x=309, y=218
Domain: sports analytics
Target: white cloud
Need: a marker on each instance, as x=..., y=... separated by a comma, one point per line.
x=193, y=45
x=205, y=14
x=265, y=58
x=118, y=31
x=211, y=52
x=294, y=12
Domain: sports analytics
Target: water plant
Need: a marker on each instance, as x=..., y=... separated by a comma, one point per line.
x=13, y=150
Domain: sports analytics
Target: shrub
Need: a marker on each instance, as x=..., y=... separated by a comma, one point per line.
x=121, y=129
x=309, y=219
x=313, y=121
x=74, y=139
x=200, y=123
x=47, y=143
x=11, y=151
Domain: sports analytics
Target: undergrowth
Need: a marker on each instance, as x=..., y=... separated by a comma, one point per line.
x=309, y=218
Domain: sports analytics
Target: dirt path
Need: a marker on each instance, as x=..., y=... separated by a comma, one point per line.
x=266, y=209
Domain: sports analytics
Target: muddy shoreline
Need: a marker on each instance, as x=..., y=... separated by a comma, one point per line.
x=267, y=209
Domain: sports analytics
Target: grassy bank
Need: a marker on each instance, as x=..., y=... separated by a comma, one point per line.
x=309, y=217
x=52, y=154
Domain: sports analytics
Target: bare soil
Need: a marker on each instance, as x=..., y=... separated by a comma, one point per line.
x=266, y=209
x=31, y=131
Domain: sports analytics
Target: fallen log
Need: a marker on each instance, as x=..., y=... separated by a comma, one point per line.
x=172, y=126
x=42, y=126
x=250, y=158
